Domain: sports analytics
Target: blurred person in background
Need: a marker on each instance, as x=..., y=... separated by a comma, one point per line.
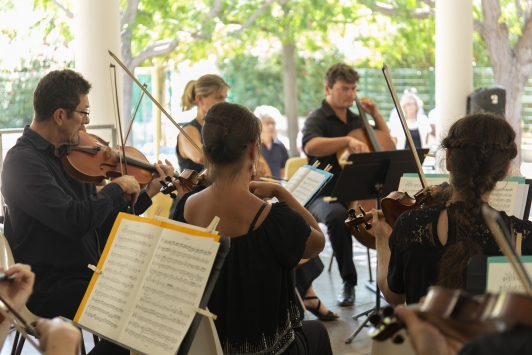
x=418, y=124
x=273, y=150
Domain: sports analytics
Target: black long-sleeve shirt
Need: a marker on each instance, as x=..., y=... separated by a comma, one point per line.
x=53, y=222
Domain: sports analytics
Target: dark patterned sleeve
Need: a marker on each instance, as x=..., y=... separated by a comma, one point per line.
x=396, y=282
x=288, y=233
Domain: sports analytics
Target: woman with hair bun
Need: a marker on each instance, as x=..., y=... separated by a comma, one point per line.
x=433, y=245
x=254, y=296
x=206, y=91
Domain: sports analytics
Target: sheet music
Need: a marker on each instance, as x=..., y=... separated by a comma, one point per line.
x=115, y=288
x=502, y=198
x=501, y=276
x=173, y=284
x=296, y=179
x=308, y=186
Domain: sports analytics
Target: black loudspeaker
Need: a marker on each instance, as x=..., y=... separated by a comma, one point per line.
x=487, y=99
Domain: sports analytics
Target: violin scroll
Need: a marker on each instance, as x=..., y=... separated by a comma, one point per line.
x=190, y=179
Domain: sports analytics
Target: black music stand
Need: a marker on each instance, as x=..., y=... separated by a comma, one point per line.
x=373, y=176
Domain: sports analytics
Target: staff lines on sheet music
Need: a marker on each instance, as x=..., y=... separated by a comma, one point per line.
x=128, y=231
x=152, y=332
x=167, y=296
x=156, y=325
x=108, y=305
x=123, y=266
x=101, y=320
x=126, y=257
x=173, y=277
x=145, y=339
x=186, y=246
x=183, y=291
x=512, y=288
x=131, y=250
x=126, y=275
x=166, y=259
x=510, y=277
x=106, y=295
x=107, y=313
x=105, y=286
x=193, y=276
x=183, y=255
x=133, y=241
x=117, y=281
x=176, y=320
x=163, y=307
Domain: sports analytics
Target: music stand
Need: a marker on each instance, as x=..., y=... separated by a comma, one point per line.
x=373, y=176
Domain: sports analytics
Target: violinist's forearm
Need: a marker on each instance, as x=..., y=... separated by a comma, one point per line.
x=322, y=146
x=383, y=261
x=4, y=330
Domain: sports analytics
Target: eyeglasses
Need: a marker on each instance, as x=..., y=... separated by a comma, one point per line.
x=86, y=113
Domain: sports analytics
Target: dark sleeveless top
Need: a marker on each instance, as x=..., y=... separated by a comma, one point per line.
x=254, y=296
x=185, y=163
x=416, y=138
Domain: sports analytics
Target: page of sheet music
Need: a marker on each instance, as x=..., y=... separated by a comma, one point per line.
x=501, y=276
x=296, y=179
x=173, y=284
x=502, y=198
x=308, y=186
x=115, y=289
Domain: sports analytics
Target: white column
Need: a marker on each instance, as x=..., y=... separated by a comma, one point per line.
x=96, y=30
x=454, y=57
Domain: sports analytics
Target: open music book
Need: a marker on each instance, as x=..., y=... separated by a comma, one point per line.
x=153, y=275
x=509, y=195
x=306, y=183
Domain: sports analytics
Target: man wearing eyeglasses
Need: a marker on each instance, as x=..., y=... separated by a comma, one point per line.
x=53, y=222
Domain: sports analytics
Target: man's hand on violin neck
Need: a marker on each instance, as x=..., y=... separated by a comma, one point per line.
x=356, y=146
x=130, y=186
x=162, y=172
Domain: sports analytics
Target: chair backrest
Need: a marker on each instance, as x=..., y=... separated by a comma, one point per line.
x=6, y=256
x=292, y=165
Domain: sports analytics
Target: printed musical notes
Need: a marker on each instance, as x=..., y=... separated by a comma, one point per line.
x=153, y=275
x=501, y=277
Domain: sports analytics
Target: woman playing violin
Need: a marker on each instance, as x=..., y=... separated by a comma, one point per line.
x=432, y=246
x=254, y=297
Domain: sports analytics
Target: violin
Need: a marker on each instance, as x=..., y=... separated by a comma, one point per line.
x=460, y=316
x=93, y=160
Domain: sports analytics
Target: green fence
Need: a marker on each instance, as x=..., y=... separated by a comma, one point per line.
x=16, y=90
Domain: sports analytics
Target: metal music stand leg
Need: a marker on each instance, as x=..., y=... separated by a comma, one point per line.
x=369, y=313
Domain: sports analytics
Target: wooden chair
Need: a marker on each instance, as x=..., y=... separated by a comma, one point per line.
x=291, y=166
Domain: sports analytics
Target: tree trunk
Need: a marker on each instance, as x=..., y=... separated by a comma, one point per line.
x=290, y=94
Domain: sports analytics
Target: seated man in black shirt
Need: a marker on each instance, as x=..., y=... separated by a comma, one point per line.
x=53, y=222
x=324, y=134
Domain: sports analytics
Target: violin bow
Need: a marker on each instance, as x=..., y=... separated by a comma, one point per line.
x=410, y=141
x=119, y=124
x=502, y=236
x=135, y=112
x=154, y=101
x=20, y=324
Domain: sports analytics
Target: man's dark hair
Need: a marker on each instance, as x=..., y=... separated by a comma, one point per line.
x=340, y=71
x=58, y=89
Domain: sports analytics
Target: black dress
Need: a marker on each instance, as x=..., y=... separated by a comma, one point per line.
x=416, y=249
x=254, y=296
